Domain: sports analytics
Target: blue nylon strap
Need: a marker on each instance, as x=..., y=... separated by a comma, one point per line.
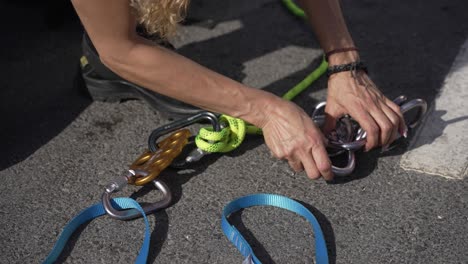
x=321, y=253
x=95, y=211
x=230, y=231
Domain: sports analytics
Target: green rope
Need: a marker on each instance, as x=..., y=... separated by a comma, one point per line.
x=294, y=9
x=230, y=137
x=300, y=87
x=225, y=140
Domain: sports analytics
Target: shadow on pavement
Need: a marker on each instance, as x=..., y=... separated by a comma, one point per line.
x=410, y=55
x=262, y=254
x=407, y=54
x=236, y=220
x=437, y=126
x=327, y=230
x=161, y=226
x=40, y=89
x=71, y=244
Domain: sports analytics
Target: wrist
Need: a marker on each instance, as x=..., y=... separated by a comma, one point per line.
x=259, y=107
x=345, y=57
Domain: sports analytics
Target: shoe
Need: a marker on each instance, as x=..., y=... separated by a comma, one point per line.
x=105, y=85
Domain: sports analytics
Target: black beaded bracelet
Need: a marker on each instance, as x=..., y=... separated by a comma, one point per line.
x=352, y=67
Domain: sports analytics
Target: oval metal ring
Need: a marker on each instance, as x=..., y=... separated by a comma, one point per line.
x=416, y=103
x=361, y=134
x=336, y=152
x=400, y=100
x=348, y=169
x=319, y=109
x=152, y=163
x=349, y=143
x=149, y=208
x=405, y=107
x=353, y=145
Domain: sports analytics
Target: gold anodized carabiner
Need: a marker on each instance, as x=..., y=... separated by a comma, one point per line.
x=153, y=163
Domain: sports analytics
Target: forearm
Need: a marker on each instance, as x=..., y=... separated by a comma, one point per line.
x=168, y=73
x=111, y=26
x=327, y=21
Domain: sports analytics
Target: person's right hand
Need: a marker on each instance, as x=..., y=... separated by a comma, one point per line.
x=292, y=135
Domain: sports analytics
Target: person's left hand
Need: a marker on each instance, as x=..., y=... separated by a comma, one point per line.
x=355, y=94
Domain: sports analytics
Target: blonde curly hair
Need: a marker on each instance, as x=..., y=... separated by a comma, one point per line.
x=160, y=16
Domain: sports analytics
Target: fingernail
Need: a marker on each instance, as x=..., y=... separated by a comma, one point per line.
x=405, y=134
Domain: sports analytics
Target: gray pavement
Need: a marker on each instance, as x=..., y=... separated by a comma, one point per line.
x=59, y=149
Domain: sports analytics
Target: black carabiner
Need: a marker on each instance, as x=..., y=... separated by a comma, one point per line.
x=178, y=124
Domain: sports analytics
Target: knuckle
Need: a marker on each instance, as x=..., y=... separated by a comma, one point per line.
x=289, y=153
x=395, y=120
x=372, y=129
x=369, y=102
x=379, y=97
x=355, y=105
x=279, y=155
x=314, y=175
x=387, y=127
x=372, y=140
x=324, y=167
x=314, y=143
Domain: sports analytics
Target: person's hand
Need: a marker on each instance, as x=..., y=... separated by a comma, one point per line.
x=355, y=94
x=291, y=135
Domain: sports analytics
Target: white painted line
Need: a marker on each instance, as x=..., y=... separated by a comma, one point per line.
x=191, y=34
x=441, y=147
x=261, y=73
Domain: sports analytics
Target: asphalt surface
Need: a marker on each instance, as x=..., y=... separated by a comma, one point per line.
x=59, y=149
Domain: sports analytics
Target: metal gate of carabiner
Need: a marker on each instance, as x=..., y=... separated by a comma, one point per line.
x=144, y=170
x=152, y=162
x=405, y=108
x=345, y=145
x=129, y=214
x=197, y=153
x=354, y=138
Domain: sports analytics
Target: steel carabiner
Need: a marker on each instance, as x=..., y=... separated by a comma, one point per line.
x=349, y=168
x=400, y=100
x=318, y=117
x=341, y=140
x=418, y=104
x=344, y=137
x=150, y=164
x=148, y=208
x=405, y=108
